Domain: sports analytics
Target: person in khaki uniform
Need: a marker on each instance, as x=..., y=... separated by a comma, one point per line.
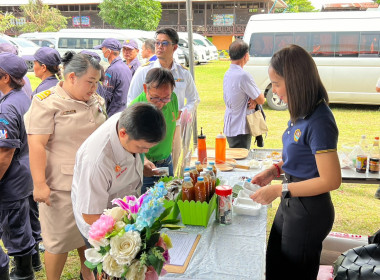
x=57, y=123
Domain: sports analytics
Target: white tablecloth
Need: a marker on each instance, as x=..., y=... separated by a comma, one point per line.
x=235, y=251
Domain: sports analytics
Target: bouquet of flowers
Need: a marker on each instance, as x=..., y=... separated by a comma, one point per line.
x=126, y=239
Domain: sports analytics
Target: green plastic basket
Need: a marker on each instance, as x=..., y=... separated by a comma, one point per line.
x=196, y=213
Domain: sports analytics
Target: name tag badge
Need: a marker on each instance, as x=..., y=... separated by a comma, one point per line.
x=68, y=112
x=179, y=80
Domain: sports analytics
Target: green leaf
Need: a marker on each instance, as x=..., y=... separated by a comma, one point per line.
x=90, y=265
x=104, y=250
x=217, y=182
x=171, y=221
x=172, y=227
x=99, y=268
x=153, y=240
x=165, y=213
x=148, y=233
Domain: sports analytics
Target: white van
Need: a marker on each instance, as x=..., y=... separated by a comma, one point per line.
x=43, y=39
x=344, y=45
x=213, y=51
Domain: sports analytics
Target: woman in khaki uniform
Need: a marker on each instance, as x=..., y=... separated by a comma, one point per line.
x=57, y=123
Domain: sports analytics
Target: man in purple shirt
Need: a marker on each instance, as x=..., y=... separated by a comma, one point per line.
x=241, y=95
x=130, y=52
x=117, y=77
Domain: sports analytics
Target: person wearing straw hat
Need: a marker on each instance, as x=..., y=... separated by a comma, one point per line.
x=130, y=52
x=117, y=77
x=15, y=178
x=46, y=67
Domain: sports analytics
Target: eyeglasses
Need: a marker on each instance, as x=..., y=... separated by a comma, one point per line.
x=164, y=44
x=158, y=99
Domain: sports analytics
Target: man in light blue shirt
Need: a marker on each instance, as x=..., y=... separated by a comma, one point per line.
x=241, y=95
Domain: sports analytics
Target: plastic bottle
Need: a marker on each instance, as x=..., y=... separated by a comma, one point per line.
x=200, y=190
x=202, y=150
x=207, y=178
x=194, y=174
x=374, y=160
x=362, y=156
x=212, y=164
x=188, y=191
x=220, y=148
x=207, y=184
x=198, y=166
x=224, y=205
x=213, y=180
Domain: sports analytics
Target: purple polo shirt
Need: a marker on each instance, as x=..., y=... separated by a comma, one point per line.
x=17, y=181
x=49, y=82
x=115, y=86
x=134, y=65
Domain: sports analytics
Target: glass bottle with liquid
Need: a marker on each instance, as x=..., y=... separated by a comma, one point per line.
x=374, y=158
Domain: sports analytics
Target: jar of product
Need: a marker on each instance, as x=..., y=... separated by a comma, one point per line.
x=374, y=165
x=224, y=204
x=361, y=163
x=200, y=190
x=188, y=192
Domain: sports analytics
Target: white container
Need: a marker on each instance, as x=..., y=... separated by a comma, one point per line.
x=249, y=188
x=245, y=206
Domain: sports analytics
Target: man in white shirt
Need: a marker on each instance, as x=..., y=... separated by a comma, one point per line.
x=166, y=44
x=109, y=164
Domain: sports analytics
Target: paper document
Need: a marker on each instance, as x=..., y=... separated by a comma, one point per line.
x=182, y=244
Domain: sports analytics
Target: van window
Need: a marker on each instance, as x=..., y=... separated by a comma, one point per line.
x=261, y=44
x=347, y=44
x=369, y=44
x=282, y=40
x=323, y=44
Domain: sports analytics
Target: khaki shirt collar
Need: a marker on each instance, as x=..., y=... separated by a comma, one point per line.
x=64, y=95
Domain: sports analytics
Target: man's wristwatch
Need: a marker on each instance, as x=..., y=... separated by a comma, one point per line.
x=285, y=190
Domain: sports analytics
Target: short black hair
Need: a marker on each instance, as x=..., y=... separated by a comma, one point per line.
x=238, y=49
x=157, y=77
x=143, y=121
x=172, y=34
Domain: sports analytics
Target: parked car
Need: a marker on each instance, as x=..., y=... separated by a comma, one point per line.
x=213, y=51
x=43, y=39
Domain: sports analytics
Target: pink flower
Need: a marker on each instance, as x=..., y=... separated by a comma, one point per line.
x=101, y=227
x=166, y=256
x=161, y=244
x=130, y=203
x=151, y=274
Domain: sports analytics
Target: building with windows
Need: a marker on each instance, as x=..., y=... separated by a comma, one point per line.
x=219, y=20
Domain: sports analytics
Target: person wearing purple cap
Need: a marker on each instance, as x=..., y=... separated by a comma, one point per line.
x=15, y=177
x=46, y=67
x=9, y=48
x=130, y=52
x=117, y=77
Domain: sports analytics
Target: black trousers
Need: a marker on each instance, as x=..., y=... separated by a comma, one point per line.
x=295, y=242
x=240, y=141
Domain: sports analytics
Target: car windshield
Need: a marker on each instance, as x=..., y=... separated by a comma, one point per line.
x=3, y=40
x=200, y=42
x=24, y=43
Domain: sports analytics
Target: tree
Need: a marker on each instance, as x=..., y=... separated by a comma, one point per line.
x=42, y=18
x=6, y=21
x=298, y=6
x=131, y=14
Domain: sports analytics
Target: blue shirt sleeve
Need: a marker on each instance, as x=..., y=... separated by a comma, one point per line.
x=9, y=128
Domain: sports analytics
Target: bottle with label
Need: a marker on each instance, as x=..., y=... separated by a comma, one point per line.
x=188, y=191
x=202, y=151
x=200, y=190
x=361, y=158
x=374, y=160
x=224, y=205
x=220, y=148
x=194, y=174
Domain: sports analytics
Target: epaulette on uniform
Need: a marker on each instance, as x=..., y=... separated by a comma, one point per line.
x=44, y=94
x=184, y=67
x=146, y=64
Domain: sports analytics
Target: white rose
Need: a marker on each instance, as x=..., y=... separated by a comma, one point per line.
x=116, y=213
x=119, y=225
x=125, y=248
x=99, y=243
x=134, y=273
x=93, y=256
x=111, y=267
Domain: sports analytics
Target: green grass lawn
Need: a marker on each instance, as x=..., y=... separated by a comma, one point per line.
x=356, y=209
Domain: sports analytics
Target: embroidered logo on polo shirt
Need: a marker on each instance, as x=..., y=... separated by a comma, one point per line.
x=4, y=121
x=121, y=172
x=3, y=134
x=42, y=95
x=297, y=135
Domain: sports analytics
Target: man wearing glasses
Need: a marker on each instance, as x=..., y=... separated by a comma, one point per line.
x=117, y=77
x=158, y=90
x=166, y=44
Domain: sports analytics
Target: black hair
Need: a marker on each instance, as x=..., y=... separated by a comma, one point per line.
x=15, y=83
x=172, y=34
x=143, y=121
x=159, y=76
x=238, y=49
x=78, y=63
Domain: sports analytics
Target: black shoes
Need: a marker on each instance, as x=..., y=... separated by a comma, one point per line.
x=23, y=269
x=36, y=261
x=5, y=274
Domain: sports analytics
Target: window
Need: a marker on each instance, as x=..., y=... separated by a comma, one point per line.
x=369, y=44
x=322, y=43
x=282, y=40
x=261, y=44
x=347, y=44
x=302, y=40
